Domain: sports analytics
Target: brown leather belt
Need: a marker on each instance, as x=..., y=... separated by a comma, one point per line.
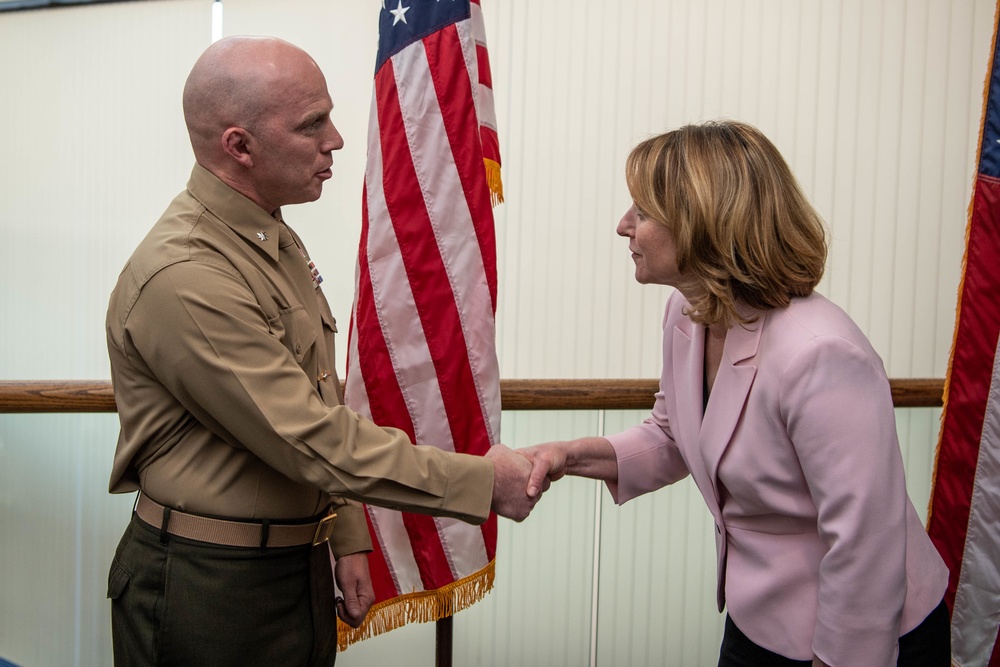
x=234, y=533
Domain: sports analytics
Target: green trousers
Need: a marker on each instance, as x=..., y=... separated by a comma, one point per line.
x=180, y=602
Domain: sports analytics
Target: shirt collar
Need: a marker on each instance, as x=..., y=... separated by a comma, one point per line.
x=237, y=212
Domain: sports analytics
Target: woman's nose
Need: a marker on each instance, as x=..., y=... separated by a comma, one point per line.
x=626, y=224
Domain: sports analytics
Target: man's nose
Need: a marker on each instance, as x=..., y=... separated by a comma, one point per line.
x=335, y=141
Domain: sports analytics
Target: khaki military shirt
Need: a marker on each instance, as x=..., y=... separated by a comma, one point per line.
x=222, y=363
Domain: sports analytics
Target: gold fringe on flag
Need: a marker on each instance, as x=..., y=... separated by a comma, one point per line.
x=419, y=607
x=494, y=181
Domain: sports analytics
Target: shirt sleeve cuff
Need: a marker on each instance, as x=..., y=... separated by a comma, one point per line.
x=350, y=530
x=470, y=488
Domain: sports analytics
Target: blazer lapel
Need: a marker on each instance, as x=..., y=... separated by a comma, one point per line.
x=688, y=369
x=688, y=379
x=729, y=393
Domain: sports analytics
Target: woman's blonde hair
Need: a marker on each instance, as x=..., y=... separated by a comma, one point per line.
x=744, y=231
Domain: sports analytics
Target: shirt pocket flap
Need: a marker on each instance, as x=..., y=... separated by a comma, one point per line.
x=299, y=334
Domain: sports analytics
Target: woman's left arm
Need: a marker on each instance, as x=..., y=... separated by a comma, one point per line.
x=837, y=406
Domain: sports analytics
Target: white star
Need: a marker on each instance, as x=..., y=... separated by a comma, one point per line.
x=399, y=13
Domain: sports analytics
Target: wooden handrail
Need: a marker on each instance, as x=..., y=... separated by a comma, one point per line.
x=18, y=396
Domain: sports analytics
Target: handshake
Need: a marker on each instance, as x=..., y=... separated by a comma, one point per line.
x=521, y=476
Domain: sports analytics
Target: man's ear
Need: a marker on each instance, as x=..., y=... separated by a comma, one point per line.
x=235, y=142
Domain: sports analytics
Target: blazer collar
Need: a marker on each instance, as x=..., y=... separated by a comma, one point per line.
x=743, y=340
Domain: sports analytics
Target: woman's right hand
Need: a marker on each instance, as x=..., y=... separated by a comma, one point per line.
x=548, y=463
x=592, y=457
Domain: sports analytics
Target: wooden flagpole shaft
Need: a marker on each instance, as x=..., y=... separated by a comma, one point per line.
x=443, y=641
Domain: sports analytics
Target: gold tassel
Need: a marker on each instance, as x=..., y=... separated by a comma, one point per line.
x=493, y=181
x=419, y=607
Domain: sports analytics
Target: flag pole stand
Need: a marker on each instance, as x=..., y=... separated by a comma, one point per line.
x=443, y=641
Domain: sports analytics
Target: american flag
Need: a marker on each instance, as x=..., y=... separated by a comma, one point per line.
x=422, y=348
x=964, y=517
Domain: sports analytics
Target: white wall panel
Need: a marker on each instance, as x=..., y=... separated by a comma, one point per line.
x=93, y=148
x=875, y=104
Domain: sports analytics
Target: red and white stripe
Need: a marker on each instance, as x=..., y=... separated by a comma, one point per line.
x=422, y=352
x=482, y=79
x=964, y=520
x=976, y=614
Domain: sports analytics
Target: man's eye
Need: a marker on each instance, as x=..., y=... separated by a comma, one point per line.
x=313, y=126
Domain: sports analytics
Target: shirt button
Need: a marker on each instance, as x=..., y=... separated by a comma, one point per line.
x=298, y=348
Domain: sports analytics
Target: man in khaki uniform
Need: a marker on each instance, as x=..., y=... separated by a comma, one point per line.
x=232, y=423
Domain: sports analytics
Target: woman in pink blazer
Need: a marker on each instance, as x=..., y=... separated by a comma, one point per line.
x=777, y=406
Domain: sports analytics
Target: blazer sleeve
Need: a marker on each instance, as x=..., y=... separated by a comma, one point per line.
x=837, y=406
x=648, y=456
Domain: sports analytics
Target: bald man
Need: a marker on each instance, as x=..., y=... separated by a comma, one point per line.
x=233, y=429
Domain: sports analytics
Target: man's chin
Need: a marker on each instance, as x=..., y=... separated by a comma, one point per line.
x=311, y=196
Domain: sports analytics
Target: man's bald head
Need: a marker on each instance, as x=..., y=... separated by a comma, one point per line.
x=232, y=85
x=258, y=113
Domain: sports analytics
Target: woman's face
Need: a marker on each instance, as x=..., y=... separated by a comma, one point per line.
x=653, y=248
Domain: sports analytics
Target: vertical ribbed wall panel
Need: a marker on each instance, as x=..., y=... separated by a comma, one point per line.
x=875, y=105
x=92, y=148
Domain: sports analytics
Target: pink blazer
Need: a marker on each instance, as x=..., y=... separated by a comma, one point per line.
x=820, y=550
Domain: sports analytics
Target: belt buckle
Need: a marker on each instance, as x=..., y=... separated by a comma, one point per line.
x=324, y=528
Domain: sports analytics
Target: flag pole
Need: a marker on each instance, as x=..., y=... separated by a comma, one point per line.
x=443, y=642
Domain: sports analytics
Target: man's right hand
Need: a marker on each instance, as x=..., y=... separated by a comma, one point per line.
x=510, y=483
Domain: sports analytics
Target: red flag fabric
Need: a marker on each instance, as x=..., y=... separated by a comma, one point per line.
x=422, y=348
x=964, y=520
